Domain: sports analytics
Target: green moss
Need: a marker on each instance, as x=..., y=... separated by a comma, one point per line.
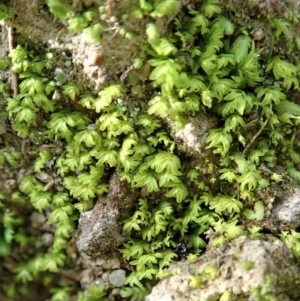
x=205, y=65
x=247, y=265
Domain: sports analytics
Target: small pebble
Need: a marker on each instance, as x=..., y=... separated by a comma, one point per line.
x=95, y=59
x=117, y=278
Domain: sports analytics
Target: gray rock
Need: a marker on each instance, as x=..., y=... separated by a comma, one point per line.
x=190, y=139
x=246, y=270
x=286, y=209
x=117, y=278
x=100, y=229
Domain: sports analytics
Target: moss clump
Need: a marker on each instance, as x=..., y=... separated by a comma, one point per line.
x=203, y=63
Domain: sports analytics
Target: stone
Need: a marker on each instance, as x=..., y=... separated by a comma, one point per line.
x=100, y=229
x=286, y=208
x=191, y=138
x=246, y=268
x=87, y=277
x=117, y=278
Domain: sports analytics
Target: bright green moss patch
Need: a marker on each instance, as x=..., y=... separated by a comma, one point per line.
x=202, y=64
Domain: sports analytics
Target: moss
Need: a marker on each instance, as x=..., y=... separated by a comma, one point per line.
x=201, y=60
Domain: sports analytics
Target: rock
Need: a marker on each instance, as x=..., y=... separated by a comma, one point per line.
x=111, y=263
x=37, y=219
x=247, y=269
x=100, y=268
x=286, y=208
x=87, y=277
x=105, y=277
x=190, y=139
x=47, y=239
x=117, y=278
x=115, y=292
x=100, y=229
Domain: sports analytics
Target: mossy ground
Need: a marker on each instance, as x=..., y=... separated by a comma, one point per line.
x=153, y=67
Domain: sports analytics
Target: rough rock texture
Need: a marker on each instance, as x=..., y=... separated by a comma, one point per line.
x=99, y=229
x=190, y=139
x=247, y=268
x=286, y=209
x=104, y=270
x=117, y=278
x=26, y=13
x=282, y=205
x=89, y=64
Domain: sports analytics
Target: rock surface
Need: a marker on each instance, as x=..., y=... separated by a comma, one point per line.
x=100, y=230
x=246, y=269
x=286, y=209
x=117, y=277
x=89, y=64
x=191, y=138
